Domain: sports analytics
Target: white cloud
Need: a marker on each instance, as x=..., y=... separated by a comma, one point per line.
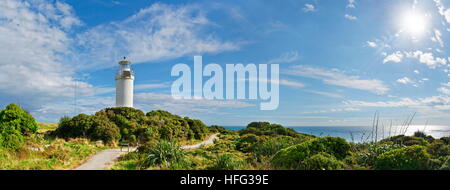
x=433, y=102
x=371, y=44
x=309, y=8
x=334, y=110
x=338, y=78
x=33, y=43
x=327, y=94
x=395, y=57
x=447, y=15
x=154, y=33
x=351, y=4
x=350, y=17
x=427, y=59
x=437, y=37
x=444, y=90
x=151, y=86
x=291, y=83
x=405, y=80
x=287, y=57
x=416, y=71
x=151, y=101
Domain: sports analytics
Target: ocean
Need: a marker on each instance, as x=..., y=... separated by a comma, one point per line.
x=364, y=133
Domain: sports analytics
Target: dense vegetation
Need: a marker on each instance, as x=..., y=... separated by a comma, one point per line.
x=25, y=144
x=128, y=124
x=23, y=147
x=270, y=146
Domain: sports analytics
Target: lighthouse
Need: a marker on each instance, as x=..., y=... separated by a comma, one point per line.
x=124, y=84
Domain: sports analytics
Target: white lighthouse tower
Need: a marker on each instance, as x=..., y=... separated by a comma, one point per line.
x=124, y=84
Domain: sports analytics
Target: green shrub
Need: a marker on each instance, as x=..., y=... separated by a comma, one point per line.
x=10, y=138
x=321, y=161
x=266, y=128
x=368, y=156
x=271, y=146
x=438, y=148
x=293, y=156
x=406, y=140
x=105, y=130
x=15, y=123
x=88, y=126
x=164, y=153
x=225, y=162
x=19, y=119
x=408, y=158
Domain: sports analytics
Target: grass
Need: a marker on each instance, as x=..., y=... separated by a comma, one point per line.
x=45, y=127
x=47, y=154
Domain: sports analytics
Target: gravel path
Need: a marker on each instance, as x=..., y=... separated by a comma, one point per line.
x=104, y=159
x=207, y=142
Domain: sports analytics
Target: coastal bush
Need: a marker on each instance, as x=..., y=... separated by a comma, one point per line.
x=10, y=138
x=292, y=157
x=266, y=128
x=408, y=158
x=219, y=129
x=88, y=126
x=271, y=146
x=438, y=148
x=15, y=124
x=321, y=161
x=19, y=119
x=367, y=156
x=131, y=125
x=406, y=140
x=225, y=162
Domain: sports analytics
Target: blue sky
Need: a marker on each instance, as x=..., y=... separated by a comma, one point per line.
x=340, y=61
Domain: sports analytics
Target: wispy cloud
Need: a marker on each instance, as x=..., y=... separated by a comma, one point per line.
x=327, y=94
x=154, y=33
x=351, y=4
x=437, y=102
x=371, y=44
x=425, y=58
x=394, y=57
x=151, y=101
x=405, y=80
x=309, y=8
x=338, y=78
x=350, y=17
x=287, y=57
x=34, y=39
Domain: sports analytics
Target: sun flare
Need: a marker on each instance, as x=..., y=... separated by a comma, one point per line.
x=414, y=23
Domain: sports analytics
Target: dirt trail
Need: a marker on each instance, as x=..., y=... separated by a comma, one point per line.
x=104, y=159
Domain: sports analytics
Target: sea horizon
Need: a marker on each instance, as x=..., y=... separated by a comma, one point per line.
x=363, y=133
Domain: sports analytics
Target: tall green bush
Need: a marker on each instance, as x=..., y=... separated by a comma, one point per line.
x=321, y=161
x=16, y=117
x=15, y=124
x=408, y=158
x=293, y=156
x=88, y=126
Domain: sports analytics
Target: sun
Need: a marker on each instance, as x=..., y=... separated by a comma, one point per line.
x=414, y=23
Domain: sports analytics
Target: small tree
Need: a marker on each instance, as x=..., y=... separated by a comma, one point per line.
x=16, y=117
x=15, y=123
